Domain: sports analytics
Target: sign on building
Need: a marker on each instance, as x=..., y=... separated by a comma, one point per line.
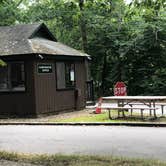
x=44, y=68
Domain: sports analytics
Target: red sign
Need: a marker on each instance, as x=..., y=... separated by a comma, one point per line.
x=120, y=89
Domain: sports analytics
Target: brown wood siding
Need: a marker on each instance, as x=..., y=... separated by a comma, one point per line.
x=49, y=99
x=81, y=84
x=20, y=103
x=45, y=89
x=41, y=95
x=65, y=100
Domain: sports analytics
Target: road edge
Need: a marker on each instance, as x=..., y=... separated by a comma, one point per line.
x=138, y=124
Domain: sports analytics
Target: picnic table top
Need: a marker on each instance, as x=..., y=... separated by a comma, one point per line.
x=154, y=98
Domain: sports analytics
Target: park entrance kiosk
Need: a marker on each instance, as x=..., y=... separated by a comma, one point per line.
x=41, y=75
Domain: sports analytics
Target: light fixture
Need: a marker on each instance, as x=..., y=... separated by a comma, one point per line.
x=40, y=56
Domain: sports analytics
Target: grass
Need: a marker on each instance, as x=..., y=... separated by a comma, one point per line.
x=105, y=118
x=77, y=160
x=85, y=118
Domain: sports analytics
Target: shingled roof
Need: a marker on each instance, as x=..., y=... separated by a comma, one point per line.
x=32, y=38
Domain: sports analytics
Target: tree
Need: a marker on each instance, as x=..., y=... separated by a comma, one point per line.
x=126, y=42
x=147, y=55
x=9, y=11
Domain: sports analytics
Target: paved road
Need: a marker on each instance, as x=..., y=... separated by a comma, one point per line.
x=103, y=140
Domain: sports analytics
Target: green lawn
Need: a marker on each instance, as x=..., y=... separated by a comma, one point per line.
x=103, y=117
x=89, y=118
x=76, y=160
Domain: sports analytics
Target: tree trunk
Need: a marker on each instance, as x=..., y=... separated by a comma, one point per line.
x=19, y=3
x=103, y=76
x=83, y=26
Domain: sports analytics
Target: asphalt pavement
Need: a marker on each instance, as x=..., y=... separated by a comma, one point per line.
x=139, y=142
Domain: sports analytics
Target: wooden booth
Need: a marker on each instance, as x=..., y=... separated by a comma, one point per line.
x=41, y=75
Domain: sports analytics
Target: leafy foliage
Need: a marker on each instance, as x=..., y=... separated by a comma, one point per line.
x=127, y=42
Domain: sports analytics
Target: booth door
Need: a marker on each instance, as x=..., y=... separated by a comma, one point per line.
x=45, y=87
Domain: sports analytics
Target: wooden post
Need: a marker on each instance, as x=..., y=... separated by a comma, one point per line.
x=142, y=113
x=118, y=110
x=162, y=109
x=123, y=113
x=109, y=111
x=131, y=112
x=122, y=105
x=154, y=109
x=150, y=109
x=155, y=113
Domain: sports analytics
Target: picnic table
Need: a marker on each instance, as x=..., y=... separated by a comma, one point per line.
x=129, y=102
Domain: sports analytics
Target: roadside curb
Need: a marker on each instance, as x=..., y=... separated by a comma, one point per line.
x=132, y=124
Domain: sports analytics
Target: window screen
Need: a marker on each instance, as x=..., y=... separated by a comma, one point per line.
x=3, y=78
x=12, y=77
x=65, y=75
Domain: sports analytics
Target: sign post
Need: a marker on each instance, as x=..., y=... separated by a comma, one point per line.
x=120, y=90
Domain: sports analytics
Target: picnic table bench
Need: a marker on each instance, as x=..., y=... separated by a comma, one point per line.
x=162, y=105
x=110, y=108
x=127, y=102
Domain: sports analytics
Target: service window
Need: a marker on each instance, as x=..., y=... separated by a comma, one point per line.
x=3, y=78
x=65, y=73
x=12, y=77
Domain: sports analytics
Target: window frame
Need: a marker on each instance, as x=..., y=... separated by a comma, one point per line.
x=66, y=87
x=10, y=90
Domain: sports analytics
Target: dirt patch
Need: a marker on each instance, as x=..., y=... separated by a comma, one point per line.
x=49, y=117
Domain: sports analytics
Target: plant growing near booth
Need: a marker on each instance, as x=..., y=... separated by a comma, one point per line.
x=2, y=63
